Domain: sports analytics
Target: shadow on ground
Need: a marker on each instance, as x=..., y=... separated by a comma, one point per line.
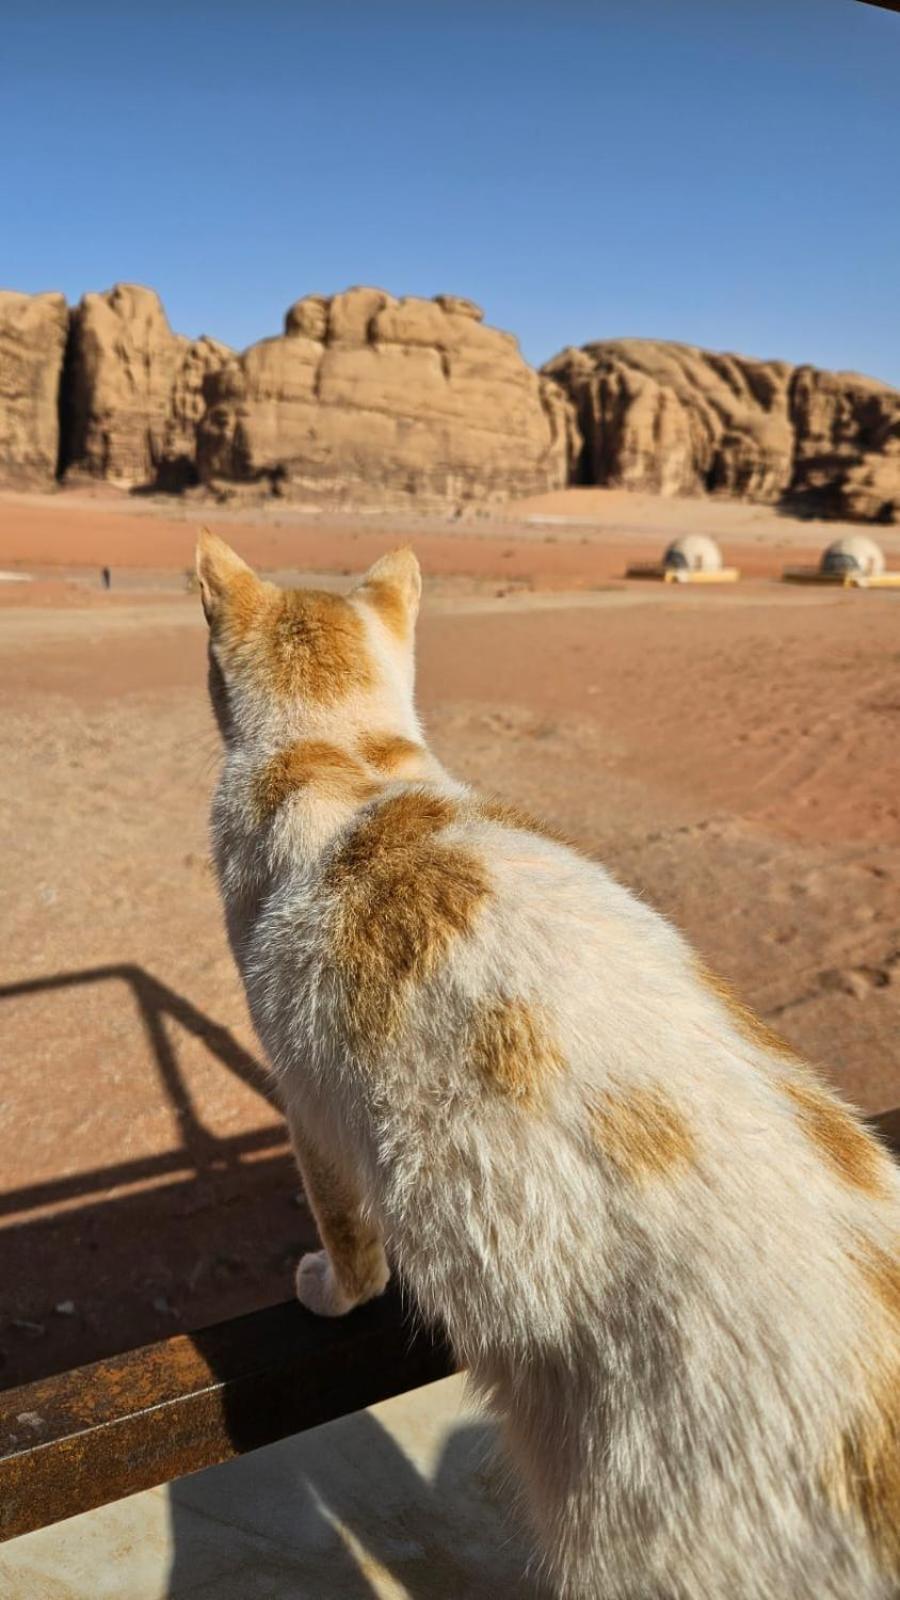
x=140, y=1249
x=346, y=1513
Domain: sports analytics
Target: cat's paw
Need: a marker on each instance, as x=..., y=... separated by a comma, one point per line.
x=318, y=1288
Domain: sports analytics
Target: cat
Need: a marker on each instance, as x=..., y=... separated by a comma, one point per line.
x=666, y=1253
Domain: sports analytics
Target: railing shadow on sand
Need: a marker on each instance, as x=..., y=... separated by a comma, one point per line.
x=259, y=1370
x=79, y=1239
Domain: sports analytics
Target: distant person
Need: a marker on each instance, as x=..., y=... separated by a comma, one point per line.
x=106, y=575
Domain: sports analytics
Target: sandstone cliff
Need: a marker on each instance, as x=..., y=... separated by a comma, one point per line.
x=32, y=342
x=365, y=397
x=846, y=446
x=672, y=419
x=132, y=394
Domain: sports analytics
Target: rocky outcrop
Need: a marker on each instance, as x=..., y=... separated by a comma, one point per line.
x=369, y=398
x=675, y=420
x=32, y=343
x=672, y=419
x=132, y=394
x=847, y=446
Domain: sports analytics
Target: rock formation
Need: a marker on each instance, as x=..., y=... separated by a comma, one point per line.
x=32, y=343
x=675, y=420
x=132, y=394
x=365, y=397
x=672, y=419
x=847, y=446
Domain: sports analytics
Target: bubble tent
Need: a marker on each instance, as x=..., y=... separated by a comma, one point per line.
x=855, y=561
x=694, y=558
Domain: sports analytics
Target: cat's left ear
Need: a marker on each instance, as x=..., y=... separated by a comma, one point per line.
x=220, y=571
x=393, y=588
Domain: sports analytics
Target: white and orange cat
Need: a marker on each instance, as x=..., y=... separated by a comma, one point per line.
x=666, y=1253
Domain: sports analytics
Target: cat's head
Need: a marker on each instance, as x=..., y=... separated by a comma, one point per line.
x=300, y=662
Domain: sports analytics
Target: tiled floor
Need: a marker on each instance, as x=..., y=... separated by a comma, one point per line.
x=399, y=1501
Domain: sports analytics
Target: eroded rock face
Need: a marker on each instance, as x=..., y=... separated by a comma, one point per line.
x=847, y=450
x=366, y=397
x=672, y=419
x=32, y=344
x=133, y=391
x=676, y=420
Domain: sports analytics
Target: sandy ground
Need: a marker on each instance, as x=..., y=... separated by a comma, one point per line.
x=732, y=754
x=573, y=538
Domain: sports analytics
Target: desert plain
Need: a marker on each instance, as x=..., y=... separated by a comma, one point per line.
x=732, y=753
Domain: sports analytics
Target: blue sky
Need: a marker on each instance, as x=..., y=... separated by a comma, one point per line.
x=725, y=172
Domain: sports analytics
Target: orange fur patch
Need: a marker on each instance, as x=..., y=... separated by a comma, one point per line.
x=303, y=643
x=402, y=895
x=387, y=599
x=862, y=1480
x=643, y=1133
x=512, y=1049
x=510, y=816
x=882, y=1274
x=744, y=1018
x=232, y=593
x=847, y=1147
x=244, y=602
x=351, y=1242
x=314, y=647
x=310, y=763
x=389, y=751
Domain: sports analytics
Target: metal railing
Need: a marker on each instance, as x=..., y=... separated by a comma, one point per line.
x=95, y=1434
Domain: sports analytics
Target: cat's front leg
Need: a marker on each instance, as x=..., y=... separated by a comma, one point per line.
x=352, y=1268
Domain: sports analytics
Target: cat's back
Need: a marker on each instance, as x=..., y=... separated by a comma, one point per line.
x=722, y=1222
x=451, y=931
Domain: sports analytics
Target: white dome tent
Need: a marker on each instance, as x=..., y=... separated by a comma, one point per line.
x=694, y=558
x=854, y=561
x=855, y=553
x=695, y=552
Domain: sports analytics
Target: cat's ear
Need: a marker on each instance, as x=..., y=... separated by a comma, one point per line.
x=220, y=571
x=393, y=587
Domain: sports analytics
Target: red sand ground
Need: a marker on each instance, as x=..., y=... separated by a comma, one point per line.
x=733, y=754
x=569, y=539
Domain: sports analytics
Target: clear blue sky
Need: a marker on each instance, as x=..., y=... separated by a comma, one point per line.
x=725, y=172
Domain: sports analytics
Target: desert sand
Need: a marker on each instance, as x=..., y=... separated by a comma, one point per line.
x=734, y=755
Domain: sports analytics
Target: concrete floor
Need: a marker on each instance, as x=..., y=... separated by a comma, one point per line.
x=402, y=1502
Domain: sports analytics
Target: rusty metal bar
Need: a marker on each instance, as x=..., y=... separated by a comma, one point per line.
x=81, y=1439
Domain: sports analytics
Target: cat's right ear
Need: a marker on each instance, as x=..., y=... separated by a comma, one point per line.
x=220, y=572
